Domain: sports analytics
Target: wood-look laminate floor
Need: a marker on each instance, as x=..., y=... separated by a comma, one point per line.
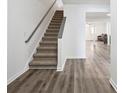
x=79, y=76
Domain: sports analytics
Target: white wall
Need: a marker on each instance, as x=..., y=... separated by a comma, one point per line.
x=72, y=44
x=23, y=16
x=89, y=34
x=75, y=34
x=114, y=43
x=108, y=29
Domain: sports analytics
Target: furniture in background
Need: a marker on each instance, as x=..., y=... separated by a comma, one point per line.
x=103, y=38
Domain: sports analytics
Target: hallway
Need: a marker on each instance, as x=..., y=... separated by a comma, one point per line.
x=79, y=75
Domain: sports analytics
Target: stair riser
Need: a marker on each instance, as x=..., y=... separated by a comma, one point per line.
x=52, y=31
x=50, y=45
x=51, y=35
x=49, y=42
x=54, y=21
x=54, y=27
x=55, y=16
x=54, y=49
x=57, y=24
x=49, y=39
x=58, y=15
x=57, y=19
x=40, y=57
x=59, y=11
x=55, y=33
x=42, y=64
x=42, y=67
x=46, y=51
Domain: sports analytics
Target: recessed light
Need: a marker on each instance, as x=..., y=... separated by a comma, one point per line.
x=108, y=14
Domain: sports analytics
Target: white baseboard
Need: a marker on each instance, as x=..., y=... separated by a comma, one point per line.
x=74, y=57
x=17, y=75
x=113, y=84
x=29, y=60
x=62, y=67
x=26, y=65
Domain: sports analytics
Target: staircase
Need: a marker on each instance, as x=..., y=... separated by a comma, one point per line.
x=46, y=55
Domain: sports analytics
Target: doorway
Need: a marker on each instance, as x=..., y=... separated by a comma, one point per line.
x=98, y=27
x=98, y=41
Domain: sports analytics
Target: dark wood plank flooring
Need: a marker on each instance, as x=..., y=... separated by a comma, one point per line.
x=79, y=75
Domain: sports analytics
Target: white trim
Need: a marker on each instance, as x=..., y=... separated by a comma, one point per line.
x=62, y=67
x=17, y=75
x=113, y=84
x=72, y=57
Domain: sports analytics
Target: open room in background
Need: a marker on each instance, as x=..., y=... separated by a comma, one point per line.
x=100, y=23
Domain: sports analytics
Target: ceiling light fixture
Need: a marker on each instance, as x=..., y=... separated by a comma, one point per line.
x=108, y=14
